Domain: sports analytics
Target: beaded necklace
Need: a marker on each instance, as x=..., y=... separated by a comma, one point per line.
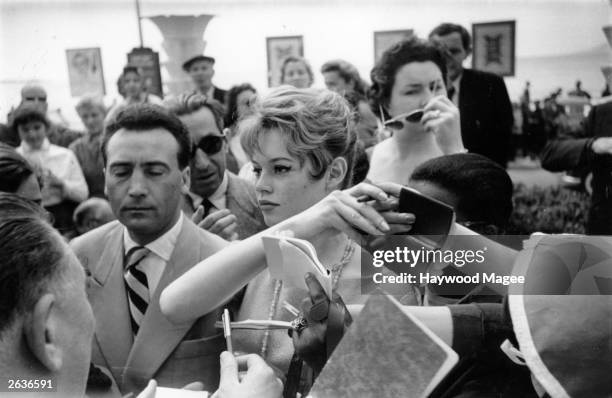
x=336, y=271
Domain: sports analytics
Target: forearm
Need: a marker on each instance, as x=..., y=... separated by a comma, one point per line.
x=219, y=277
x=499, y=259
x=75, y=190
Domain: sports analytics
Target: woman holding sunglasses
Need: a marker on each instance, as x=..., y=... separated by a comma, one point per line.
x=409, y=95
x=302, y=151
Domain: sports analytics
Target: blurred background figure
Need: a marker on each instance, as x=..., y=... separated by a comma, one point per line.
x=91, y=214
x=482, y=97
x=342, y=77
x=239, y=100
x=578, y=91
x=133, y=88
x=201, y=69
x=92, y=112
x=57, y=131
x=64, y=185
x=296, y=71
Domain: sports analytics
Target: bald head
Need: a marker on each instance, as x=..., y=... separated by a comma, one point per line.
x=35, y=94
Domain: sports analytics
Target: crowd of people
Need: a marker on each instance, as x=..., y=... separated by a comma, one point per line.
x=121, y=246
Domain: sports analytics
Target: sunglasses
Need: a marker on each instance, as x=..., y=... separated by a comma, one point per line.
x=397, y=123
x=210, y=145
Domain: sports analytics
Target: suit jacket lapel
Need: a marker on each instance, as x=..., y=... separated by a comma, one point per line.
x=158, y=337
x=109, y=303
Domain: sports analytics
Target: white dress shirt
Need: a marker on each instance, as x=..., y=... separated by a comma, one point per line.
x=218, y=198
x=154, y=263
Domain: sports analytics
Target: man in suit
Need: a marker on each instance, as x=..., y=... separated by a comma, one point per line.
x=592, y=152
x=482, y=98
x=227, y=204
x=146, y=152
x=47, y=325
x=201, y=69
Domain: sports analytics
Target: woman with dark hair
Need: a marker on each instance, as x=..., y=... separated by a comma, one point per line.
x=408, y=94
x=17, y=175
x=238, y=102
x=64, y=185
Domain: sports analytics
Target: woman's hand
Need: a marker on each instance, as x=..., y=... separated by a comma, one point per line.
x=441, y=118
x=362, y=209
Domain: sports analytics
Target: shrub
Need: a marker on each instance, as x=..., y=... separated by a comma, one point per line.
x=550, y=210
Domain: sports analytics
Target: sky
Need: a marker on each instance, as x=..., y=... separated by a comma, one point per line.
x=34, y=36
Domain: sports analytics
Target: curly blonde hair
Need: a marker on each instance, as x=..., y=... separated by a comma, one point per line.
x=314, y=122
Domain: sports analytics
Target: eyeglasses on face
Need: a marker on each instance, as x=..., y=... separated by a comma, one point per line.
x=210, y=145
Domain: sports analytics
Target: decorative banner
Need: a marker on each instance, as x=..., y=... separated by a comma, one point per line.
x=608, y=32
x=385, y=39
x=85, y=72
x=493, y=47
x=147, y=62
x=279, y=48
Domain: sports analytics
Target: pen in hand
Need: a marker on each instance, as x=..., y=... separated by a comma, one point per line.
x=227, y=330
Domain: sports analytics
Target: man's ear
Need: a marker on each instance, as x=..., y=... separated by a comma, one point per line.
x=42, y=335
x=336, y=172
x=186, y=177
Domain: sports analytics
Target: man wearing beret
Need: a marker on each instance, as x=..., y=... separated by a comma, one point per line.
x=201, y=70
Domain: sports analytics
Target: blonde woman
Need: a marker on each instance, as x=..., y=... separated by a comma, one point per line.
x=302, y=152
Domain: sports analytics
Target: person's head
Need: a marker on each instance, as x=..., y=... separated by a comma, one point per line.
x=239, y=100
x=132, y=83
x=458, y=44
x=34, y=94
x=91, y=214
x=296, y=72
x=578, y=84
x=32, y=124
x=406, y=77
x=46, y=322
x=201, y=69
x=92, y=112
x=477, y=188
x=146, y=153
x=342, y=77
x=301, y=147
x=203, y=118
x=18, y=176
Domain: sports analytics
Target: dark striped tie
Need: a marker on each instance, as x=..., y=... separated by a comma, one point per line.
x=136, y=285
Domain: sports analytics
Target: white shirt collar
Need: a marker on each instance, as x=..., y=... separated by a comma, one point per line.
x=26, y=148
x=218, y=198
x=162, y=246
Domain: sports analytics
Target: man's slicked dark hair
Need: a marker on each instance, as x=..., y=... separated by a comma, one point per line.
x=188, y=103
x=484, y=188
x=31, y=257
x=446, y=28
x=146, y=117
